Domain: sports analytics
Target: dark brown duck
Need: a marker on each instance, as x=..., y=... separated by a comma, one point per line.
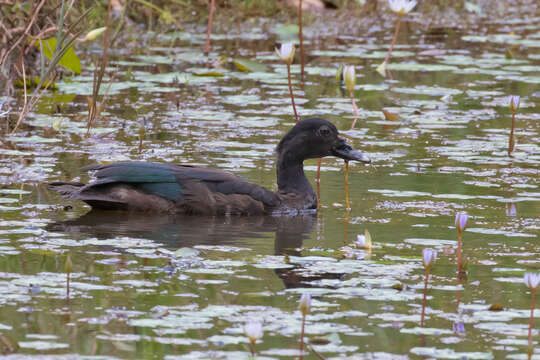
x=187, y=189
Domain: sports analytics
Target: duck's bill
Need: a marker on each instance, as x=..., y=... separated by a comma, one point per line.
x=346, y=152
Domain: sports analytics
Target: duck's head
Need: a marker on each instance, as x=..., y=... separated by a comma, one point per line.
x=316, y=138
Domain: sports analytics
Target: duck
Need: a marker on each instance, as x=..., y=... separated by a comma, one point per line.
x=153, y=187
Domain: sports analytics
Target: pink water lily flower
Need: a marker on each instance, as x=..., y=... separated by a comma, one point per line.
x=461, y=221
x=429, y=257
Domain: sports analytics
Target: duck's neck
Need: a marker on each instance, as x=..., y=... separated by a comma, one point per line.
x=291, y=177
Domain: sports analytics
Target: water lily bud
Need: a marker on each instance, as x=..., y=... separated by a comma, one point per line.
x=461, y=221
x=349, y=77
x=532, y=280
x=253, y=331
x=305, y=303
x=401, y=7
x=429, y=257
x=514, y=103
x=364, y=241
x=381, y=69
x=94, y=34
x=286, y=52
x=68, y=265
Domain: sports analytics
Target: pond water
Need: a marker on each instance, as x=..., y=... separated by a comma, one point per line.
x=183, y=288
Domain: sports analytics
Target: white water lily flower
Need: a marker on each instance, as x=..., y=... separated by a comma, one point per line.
x=349, y=77
x=286, y=52
x=461, y=221
x=305, y=303
x=253, y=330
x=401, y=7
x=514, y=103
x=429, y=257
x=532, y=280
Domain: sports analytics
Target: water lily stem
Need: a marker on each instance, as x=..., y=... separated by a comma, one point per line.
x=511, y=142
x=347, y=203
x=459, y=252
x=355, y=110
x=301, y=40
x=398, y=22
x=533, y=290
x=318, y=181
x=209, y=28
x=458, y=292
x=67, y=286
x=302, y=337
x=252, y=347
x=424, y=300
x=291, y=92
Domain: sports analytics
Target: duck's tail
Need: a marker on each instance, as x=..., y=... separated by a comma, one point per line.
x=69, y=190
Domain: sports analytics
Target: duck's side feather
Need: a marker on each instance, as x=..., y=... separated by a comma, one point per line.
x=169, y=188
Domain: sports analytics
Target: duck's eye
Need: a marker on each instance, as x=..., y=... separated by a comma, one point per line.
x=324, y=130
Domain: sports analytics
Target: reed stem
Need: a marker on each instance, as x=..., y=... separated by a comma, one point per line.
x=209, y=28
x=301, y=40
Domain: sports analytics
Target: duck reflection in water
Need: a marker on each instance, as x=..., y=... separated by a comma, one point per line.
x=188, y=231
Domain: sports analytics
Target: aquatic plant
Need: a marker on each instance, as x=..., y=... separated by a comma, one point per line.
x=253, y=331
x=514, y=106
x=461, y=224
x=286, y=54
x=304, y=306
x=532, y=281
x=54, y=49
x=400, y=7
x=429, y=256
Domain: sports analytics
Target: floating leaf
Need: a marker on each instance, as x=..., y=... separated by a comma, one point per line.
x=496, y=307
x=390, y=117
x=209, y=73
x=186, y=252
x=249, y=65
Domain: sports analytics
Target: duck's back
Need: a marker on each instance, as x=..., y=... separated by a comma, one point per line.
x=173, y=188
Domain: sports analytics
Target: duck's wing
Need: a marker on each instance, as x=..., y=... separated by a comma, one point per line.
x=170, y=187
